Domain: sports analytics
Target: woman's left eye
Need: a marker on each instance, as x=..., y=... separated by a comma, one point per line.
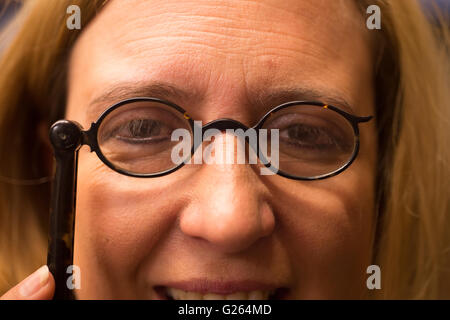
x=307, y=135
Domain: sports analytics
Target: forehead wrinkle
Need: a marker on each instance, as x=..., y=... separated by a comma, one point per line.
x=191, y=21
x=285, y=52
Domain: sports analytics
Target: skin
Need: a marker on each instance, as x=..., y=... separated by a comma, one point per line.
x=313, y=237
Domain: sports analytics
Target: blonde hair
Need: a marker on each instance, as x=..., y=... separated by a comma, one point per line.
x=412, y=246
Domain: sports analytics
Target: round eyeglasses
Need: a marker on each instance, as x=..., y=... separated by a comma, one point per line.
x=135, y=137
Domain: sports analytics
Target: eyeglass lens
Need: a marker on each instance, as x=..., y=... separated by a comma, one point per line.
x=313, y=140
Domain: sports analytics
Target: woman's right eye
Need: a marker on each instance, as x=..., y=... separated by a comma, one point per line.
x=141, y=131
x=143, y=128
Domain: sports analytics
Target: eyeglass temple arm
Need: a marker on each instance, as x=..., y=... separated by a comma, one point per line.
x=65, y=137
x=363, y=119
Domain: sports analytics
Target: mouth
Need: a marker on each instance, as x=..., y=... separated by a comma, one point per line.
x=210, y=290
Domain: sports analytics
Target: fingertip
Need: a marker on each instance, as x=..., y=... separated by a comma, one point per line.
x=40, y=285
x=48, y=289
x=42, y=291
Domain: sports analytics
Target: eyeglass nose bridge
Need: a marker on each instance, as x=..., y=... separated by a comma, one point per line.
x=221, y=125
x=231, y=124
x=224, y=124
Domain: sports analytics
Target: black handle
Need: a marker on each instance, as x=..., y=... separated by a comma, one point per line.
x=66, y=137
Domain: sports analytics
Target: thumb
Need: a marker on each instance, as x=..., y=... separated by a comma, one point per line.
x=40, y=285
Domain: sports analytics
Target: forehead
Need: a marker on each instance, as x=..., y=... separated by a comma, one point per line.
x=223, y=48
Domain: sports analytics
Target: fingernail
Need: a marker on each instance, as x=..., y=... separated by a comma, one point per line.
x=34, y=282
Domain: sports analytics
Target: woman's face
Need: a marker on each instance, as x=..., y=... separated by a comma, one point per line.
x=221, y=228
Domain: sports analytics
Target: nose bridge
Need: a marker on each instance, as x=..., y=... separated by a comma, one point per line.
x=230, y=209
x=224, y=141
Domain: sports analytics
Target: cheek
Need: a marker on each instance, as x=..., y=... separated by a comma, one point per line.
x=330, y=232
x=118, y=222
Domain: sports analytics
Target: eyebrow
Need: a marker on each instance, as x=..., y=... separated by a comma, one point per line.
x=261, y=99
x=272, y=97
x=122, y=91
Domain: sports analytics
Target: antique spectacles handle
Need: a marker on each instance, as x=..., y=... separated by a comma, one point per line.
x=66, y=139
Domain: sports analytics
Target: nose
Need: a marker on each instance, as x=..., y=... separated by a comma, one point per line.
x=229, y=207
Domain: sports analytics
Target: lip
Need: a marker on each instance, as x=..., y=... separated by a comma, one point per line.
x=204, y=286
